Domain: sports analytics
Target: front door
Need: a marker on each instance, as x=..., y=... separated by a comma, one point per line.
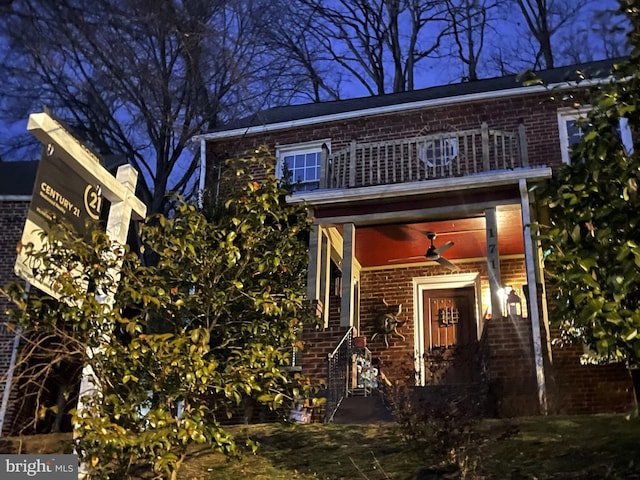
x=450, y=338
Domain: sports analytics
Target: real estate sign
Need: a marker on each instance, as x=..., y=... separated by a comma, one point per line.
x=60, y=192
x=72, y=186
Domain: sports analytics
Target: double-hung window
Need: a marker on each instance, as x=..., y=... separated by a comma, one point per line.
x=572, y=128
x=300, y=164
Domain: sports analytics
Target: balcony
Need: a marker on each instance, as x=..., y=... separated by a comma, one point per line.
x=425, y=157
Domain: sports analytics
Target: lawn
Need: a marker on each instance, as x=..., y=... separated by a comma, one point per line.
x=581, y=447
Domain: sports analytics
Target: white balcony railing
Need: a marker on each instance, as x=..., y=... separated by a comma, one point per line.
x=424, y=157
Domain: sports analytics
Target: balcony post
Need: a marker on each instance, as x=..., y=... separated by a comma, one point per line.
x=522, y=143
x=484, y=129
x=352, y=164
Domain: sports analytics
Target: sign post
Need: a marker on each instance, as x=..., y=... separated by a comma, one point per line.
x=71, y=183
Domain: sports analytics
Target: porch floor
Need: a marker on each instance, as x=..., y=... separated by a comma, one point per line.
x=360, y=410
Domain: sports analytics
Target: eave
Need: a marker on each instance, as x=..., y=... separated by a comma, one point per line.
x=411, y=189
x=395, y=108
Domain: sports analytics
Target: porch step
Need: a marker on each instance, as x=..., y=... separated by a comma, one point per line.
x=371, y=409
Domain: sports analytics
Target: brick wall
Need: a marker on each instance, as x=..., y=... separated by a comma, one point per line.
x=395, y=286
x=537, y=112
x=511, y=370
x=572, y=388
x=12, y=217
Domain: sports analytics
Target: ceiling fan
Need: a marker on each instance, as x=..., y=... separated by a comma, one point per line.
x=434, y=253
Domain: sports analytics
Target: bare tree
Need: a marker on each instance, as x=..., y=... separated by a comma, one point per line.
x=137, y=78
x=306, y=67
x=543, y=19
x=375, y=43
x=469, y=23
x=603, y=34
x=608, y=30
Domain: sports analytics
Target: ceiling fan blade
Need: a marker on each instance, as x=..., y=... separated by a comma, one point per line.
x=406, y=259
x=444, y=247
x=446, y=263
x=452, y=232
x=398, y=233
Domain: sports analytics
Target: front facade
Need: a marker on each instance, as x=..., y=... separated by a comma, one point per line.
x=421, y=242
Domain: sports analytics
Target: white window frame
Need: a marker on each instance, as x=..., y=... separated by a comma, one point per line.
x=313, y=146
x=567, y=114
x=434, y=155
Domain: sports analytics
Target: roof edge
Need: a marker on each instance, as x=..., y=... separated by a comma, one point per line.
x=266, y=128
x=15, y=198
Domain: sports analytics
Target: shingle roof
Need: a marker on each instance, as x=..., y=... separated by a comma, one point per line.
x=16, y=178
x=598, y=69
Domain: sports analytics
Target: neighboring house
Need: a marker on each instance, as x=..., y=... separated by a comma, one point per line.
x=16, y=186
x=379, y=175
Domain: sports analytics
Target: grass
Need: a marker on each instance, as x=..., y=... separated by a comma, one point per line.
x=551, y=448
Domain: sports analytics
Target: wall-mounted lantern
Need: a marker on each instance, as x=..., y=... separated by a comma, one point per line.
x=514, y=305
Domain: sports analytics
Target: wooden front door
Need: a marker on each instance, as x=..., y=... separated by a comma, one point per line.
x=449, y=335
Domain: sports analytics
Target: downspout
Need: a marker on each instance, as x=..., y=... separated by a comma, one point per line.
x=534, y=313
x=12, y=365
x=203, y=172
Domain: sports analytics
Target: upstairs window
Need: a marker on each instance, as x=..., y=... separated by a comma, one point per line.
x=439, y=152
x=572, y=129
x=301, y=164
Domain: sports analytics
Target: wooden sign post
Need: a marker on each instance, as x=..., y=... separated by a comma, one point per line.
x=75, y=200
x=70, y=185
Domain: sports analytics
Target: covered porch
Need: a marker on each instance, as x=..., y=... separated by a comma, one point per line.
x=368, y=259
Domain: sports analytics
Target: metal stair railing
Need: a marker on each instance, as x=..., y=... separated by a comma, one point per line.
x=338, y=366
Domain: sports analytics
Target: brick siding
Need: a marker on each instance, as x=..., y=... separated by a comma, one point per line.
x=571, y=387
x=537, y=112
x=12, y=217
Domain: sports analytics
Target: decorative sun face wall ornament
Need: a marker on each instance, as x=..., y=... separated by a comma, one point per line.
x=387, y=322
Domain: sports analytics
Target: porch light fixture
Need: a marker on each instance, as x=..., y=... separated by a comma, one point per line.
x=514, y=305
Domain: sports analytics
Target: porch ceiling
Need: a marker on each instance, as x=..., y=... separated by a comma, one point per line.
x=395, y=244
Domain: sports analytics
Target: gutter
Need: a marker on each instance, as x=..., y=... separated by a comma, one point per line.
x=15, y=198
x=509, y=92
x=203, y=172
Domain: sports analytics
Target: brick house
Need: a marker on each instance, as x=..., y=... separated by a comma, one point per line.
x=16, y=186
x=421, y=243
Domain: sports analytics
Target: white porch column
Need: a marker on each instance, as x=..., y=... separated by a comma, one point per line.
x=348, y=257
x=313, y=273
x=319, y=271
x=493, y=261
x=534, y=314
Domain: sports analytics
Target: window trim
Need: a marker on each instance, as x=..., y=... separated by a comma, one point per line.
x=564, y=115
x=444, y=158
x=311, y=146
x=569, y=113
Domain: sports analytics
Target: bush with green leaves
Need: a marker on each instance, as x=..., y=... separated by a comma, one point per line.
x=592, y=240
x=208, y=324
